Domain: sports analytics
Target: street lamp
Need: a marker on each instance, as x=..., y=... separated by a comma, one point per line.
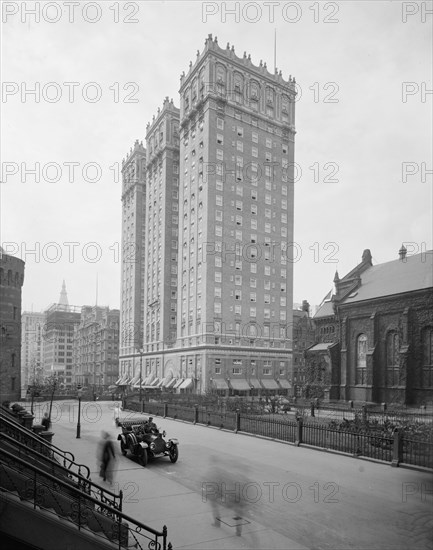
x=79, y=394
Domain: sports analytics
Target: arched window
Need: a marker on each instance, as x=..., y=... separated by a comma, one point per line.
x=427, y=357
x=392, y=358
x=361, y=360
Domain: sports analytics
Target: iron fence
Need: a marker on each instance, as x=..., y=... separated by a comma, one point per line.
x=269, y=427
x=370, y=441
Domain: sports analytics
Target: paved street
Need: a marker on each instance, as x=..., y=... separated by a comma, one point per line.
x=287, y=497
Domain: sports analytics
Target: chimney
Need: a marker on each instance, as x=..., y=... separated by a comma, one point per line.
x=306, y=307
x=402, y=253
x=366, y=256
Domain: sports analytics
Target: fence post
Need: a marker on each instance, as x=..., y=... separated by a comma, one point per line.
x=237, y=421
x=299, y=430
x=397, y=448
x=196, y=414
x=142, y=406
x=364, y=413
x=165, y=410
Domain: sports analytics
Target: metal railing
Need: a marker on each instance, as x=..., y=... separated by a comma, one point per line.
x=32, y=441
x=55, y=496
x=52, y=467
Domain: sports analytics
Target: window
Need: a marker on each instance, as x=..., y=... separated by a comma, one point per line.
x=217, y=308
x=361, y=360
x=240, y=131
x=220, y=124
x=219, y=200
x=253, y=311
x=255, y=152
x=269, y=143
x=392, y=358
x=253, y=297
x=427, y=354
x=236, y=370
x=240, y=146
x=218, y=277
x=266, y=370
x=219, y=154
x=220, y=139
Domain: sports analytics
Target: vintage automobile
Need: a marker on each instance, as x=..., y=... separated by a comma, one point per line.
x=143, y=440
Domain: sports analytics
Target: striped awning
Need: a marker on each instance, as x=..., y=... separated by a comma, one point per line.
x=285, y=384
x=186, y=384
x=178, y=383
x=239, y=384
x=269, y=384
x=220, y=384
x=172, y=383
x=154, y=383
x=167, y=381
x=118, y=382
x=255, y=383
x=160, y=383
x=135, y=379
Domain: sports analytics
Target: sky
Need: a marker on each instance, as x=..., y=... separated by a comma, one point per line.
x=100, y=70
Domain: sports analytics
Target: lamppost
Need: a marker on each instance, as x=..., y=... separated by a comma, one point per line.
x=79, y=394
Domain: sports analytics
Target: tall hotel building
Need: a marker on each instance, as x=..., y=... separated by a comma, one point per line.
x=132, y=257
x=235, y=225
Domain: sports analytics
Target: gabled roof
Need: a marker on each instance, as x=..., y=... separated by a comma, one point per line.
x=326, y=308
x=396, y=277
x=407, y=274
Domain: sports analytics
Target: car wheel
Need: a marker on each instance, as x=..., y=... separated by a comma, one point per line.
x=174, y=453
x=123, y=448
x=142, y=458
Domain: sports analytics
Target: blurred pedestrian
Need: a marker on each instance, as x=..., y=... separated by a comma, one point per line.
x=107, y=457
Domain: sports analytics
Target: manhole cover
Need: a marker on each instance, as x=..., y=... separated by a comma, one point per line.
x=233, y=521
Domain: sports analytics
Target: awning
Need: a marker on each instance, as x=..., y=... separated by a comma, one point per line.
x=285, y=384
x=220, y=384
x=186, y=384
x=160, y=383
x=255, y=384
x=322, y=346
x=135, y=380
x=239, y=384
x=178, y=383
x=172, y=383
x=270, y=384
x=154, y=383
x=113, y=387
x=118, y=382
x=167, y=381
x=123, y=381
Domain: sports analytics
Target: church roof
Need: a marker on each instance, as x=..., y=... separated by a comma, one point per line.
x=395, y=277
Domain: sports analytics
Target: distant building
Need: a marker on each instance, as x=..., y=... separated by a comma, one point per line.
x=60, y=320
x=11, y=282
x=96, y=348
x=374, y=334
x=32, y=348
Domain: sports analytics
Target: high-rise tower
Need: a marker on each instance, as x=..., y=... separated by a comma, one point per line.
x=132, y=258
x=236, y=220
